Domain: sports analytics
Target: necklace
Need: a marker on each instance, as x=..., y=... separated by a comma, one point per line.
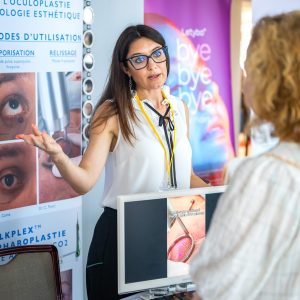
x=168, y=158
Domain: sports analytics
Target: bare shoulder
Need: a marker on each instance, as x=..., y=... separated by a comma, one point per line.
x=187, y=116
x=186, y=109
x=104, y=108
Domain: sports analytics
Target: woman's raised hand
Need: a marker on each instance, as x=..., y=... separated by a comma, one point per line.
x=41, y=140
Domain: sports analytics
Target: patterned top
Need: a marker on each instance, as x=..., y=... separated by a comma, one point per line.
x=252, y=250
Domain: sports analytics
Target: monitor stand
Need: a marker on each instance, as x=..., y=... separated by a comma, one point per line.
x=167, y=291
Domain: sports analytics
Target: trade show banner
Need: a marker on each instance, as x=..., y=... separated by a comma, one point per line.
x=197, y=33
x=40, y=83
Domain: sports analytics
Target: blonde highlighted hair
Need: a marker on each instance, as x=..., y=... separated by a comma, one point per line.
x=273, y=66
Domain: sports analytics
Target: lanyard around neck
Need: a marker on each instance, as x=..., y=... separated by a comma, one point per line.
x=168, y=160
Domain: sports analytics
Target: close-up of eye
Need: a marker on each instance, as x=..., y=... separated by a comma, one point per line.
x=13, y=108
x=17, y=175
x=17, y=104
x=9, y=181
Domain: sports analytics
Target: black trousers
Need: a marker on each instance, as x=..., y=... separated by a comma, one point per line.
x=101, y=270
x=102, y=262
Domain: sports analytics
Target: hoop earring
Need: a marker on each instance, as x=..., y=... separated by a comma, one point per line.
x=131, y=89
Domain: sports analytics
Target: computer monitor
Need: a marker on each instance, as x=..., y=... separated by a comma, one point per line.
x=159, y=234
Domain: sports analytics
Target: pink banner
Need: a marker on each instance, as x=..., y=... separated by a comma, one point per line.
x=198, y=40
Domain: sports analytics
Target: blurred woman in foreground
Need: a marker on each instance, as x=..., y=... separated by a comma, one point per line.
x=252, y=248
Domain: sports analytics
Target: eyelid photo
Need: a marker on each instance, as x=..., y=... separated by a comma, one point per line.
x=186, y=228
x=17, y=104
x=59, y=114
x=17, y=176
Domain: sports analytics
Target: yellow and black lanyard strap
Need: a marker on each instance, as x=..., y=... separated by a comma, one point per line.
x=163, y=121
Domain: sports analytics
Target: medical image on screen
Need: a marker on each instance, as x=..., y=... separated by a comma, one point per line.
x=185, y=231
x=161, y=236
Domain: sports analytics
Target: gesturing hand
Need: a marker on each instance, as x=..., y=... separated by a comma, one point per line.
x=41, y=140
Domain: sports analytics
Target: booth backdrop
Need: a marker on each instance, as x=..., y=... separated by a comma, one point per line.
x=198, y=40
x=40, y=82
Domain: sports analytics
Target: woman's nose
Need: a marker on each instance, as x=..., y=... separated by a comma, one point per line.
x=151, y=63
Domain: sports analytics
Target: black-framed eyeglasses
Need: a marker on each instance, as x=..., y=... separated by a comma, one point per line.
x=140, y=61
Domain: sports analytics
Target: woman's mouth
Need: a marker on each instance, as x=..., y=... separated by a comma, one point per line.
x=154, y=77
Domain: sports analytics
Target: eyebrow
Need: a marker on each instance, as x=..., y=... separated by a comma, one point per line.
x=138, y=54
x=4, y=77
x=10, y=152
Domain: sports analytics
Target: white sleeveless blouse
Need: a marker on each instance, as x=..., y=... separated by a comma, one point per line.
x=141, y=167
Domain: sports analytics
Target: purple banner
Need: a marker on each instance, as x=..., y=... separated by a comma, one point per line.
x=197, y=33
